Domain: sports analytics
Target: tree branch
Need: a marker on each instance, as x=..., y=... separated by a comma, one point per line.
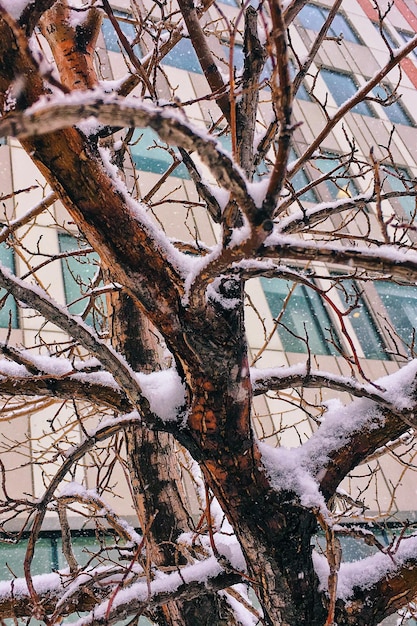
x=387, y=261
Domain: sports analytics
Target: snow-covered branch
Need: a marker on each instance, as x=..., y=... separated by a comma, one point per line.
x=387, y=261
x=47, y=117
x=36, y=298
x=97, y=592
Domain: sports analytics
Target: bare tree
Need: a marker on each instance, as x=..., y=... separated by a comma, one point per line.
x=152, y=379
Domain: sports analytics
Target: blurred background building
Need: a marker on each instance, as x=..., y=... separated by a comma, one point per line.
x=382, y=316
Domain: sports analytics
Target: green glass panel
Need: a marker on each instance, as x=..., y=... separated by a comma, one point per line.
x=342, y=87
x=183, y=57
x=111, y=38
x=300, y=180
x=313, y=17
x=395, y=111
x=340, y=184
x=78, y=273
x=362, y=322
x=305, y=317
x=400, y=180
x=149, y=154
x=8, y=310
x=400, y=302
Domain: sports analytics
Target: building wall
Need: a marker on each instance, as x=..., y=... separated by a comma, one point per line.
x=276, y=419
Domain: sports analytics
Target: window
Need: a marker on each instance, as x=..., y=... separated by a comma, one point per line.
x=406, y=37
x=395, y=111
x=8, y=310
x=400, y=302
x=399, y=179
x=183, y=57
x=149, y=154
x=343, y=87
x=304, y=321
x=361, y=320
x=128, y=29
x=302, y=93
x=300, y=180
x=393, y=44
x=313, y=17
x=78, y=273
x=340, y=183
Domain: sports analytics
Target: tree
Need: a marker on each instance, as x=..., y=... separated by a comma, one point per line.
x=166, y=375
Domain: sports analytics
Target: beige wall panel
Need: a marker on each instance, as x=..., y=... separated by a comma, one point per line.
x=315, y=122
x=408, y=137
x=373, y=369
x=270, y=358
x=181, y=83
x=18, y=473
x=25, y=173
x=255, y=328
x=6, y=183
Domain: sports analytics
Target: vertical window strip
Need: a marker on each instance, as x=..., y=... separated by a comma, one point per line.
x=304, y=320
x=8, y=310
x=78, y=273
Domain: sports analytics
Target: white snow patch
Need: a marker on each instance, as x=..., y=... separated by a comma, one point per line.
x=15, y=8
x=164, y=391
x=287, y=471
x=368, y=571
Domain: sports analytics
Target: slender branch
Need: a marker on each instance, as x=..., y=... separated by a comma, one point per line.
x=359, y=96
x=65, y=388
x=282, y=96
x=119, y=112
x=205, y=56
x=37, y=299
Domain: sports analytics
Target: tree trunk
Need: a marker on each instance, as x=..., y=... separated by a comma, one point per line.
x=156, y=483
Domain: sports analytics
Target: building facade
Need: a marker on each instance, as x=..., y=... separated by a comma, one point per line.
x=285, y=323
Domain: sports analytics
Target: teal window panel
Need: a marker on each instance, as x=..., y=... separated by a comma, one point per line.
x=183, y=56
x=304, y=318
x=395, y=112
x=149, y=154
x=362, y=321
x=400, y=179
x=78, y=273
x=300, y=180
x=343, y=87
x=127, y=27
x=302, y=93
x=8, y=310
x=313, y=17
x=340, y=184
x=400, y=301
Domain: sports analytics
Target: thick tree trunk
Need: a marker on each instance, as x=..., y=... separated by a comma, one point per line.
x=156, y=483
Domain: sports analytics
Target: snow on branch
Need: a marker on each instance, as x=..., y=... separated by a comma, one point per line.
x=391, y=261
x=50, y=115
x=34, y=297
x=93, y=585
x=275, y=379
x=188, y=582
x=348, y=434
x=387, y=575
